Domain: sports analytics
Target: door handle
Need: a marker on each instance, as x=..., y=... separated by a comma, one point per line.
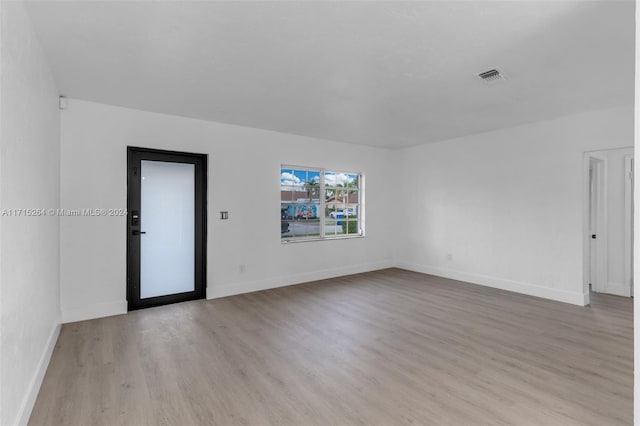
x=136, y=232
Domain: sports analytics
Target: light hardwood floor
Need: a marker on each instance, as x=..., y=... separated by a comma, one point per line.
x=381, y=348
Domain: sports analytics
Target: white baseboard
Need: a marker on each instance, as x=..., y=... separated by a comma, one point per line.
x=100, y=310
x=214, y=292
x=97, y=310
x=29, y=400
x=503, y=284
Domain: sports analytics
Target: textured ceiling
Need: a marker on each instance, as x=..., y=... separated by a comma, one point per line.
x=388, y=74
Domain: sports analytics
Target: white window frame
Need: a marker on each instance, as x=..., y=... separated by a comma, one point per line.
x=323, y=203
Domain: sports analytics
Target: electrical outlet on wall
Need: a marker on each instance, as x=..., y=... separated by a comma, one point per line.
x=449, y=257
x=241, y=268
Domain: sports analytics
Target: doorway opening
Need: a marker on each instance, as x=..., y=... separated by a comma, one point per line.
x=597, y=235
x=166, y=227
x=608, y=222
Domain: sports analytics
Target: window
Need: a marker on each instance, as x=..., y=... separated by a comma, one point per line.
x=319, y=204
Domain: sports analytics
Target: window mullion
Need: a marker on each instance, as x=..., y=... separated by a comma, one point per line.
x=360, y=211
x=322, y=204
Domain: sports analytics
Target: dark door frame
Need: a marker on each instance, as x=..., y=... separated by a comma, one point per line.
x=134, y=156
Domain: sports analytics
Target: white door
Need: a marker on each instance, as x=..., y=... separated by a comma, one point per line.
x=593, y=270
x=597, y=231
x=628, y=221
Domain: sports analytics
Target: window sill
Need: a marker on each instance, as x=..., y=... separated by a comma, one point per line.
x=307, y=240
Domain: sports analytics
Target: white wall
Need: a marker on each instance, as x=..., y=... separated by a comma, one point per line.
x=615, y=181
x=244, y=167
x=636, y=233
x=506, y=205
x=29, y=248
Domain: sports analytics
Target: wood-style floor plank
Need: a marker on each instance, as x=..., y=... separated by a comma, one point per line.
x=381, y=348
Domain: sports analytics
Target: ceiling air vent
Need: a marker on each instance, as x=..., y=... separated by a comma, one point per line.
x=491, y=76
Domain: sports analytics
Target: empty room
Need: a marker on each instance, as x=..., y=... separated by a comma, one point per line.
x=318, y=212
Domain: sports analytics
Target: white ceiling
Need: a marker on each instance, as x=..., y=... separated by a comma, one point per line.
x=387, y=74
